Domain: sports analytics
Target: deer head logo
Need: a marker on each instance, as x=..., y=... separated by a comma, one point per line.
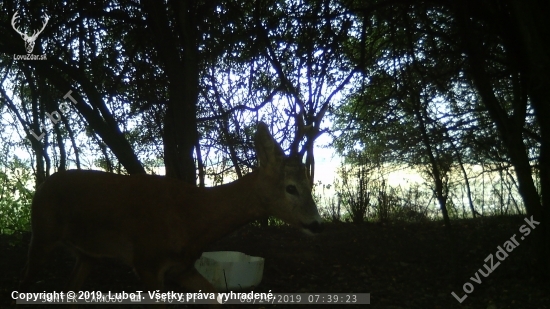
x=29, y=40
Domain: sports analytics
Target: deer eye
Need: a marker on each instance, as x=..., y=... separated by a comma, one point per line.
x=291, y=189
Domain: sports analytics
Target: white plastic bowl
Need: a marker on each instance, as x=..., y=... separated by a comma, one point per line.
x=231, y=270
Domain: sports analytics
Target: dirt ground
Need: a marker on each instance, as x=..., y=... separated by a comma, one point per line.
x=400, y=265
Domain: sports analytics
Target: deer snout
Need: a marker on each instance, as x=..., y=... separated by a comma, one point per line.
x=314, y=227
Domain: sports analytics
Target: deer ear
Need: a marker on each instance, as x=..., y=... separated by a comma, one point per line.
x=270, y=154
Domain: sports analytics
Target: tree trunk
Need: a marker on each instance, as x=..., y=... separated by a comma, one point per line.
x=180, y=123
x=533, y=31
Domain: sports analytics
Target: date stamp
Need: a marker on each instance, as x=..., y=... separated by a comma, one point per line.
x=309, y=298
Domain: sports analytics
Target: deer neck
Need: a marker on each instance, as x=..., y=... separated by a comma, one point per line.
x=223, y=209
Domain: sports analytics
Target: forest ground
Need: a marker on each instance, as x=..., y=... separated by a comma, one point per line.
x=401, y=265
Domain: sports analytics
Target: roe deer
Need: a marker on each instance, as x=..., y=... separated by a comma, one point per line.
x=160, y=225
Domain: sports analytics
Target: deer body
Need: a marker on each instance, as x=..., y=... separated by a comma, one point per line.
x=148, y=211
x=160, y=225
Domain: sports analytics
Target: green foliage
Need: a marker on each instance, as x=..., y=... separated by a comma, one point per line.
x=331, y=209
x=355, y=192
x=271, y=221
x=362, y=194
x=15, y=196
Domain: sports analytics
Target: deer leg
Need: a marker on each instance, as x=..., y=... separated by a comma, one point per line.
x=192, y=280
x=80, y=272
x=38, y=251
x=152, y=279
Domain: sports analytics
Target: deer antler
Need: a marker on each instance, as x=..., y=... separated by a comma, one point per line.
x=13, y=20
x=36, y=32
